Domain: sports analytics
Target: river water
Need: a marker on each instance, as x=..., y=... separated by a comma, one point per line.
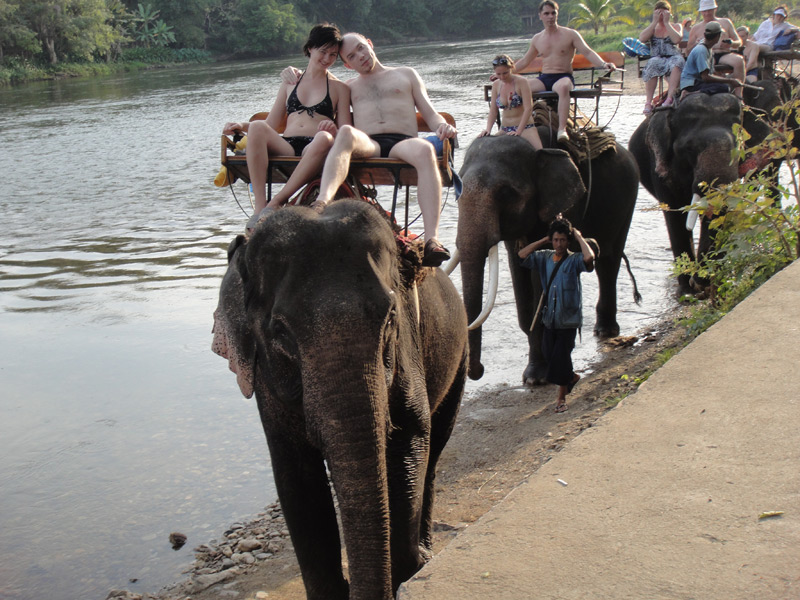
x=119, y=425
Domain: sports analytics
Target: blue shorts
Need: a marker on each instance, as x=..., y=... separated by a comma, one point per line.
x=548, y=79
x=513, y=128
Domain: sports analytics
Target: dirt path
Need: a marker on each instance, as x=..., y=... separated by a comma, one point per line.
x=501, y=438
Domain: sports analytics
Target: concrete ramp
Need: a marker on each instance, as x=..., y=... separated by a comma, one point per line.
x=661, y=499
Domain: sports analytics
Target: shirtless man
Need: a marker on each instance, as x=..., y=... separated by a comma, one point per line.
x=385, y=101
x=729, y=40
x=557, y=47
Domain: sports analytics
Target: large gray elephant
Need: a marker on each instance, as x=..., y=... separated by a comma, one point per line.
x=358, y=362
x=511, y=193
x=680, y=148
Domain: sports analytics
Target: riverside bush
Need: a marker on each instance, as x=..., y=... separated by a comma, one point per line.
x=755, y=223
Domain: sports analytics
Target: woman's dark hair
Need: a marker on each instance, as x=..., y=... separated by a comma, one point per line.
x=560, y=225
x=322, y=35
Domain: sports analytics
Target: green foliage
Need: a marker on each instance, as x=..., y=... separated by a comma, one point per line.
x=756, y=224
x=596, y=14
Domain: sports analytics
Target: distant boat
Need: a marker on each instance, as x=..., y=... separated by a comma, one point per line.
x=634, y=47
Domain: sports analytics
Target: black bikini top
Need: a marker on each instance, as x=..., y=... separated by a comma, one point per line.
x=325, y=107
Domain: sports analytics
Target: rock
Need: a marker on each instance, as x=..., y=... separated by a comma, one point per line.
x=236, y=557
x=248, y=545
x=248, y=558
x=177, y=540
x=227, y=563
x=226, y=551
x=261, y=596
x=203, y=582
x=263, y=555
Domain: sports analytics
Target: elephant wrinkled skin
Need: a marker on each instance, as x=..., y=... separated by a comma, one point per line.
x=511, y=193
x=354, y=367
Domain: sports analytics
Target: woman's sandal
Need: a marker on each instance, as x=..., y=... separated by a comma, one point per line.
x=648, y=108
x=256, y=218
x=561, y=407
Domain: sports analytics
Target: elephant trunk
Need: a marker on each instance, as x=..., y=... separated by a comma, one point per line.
x=351, y=423
x=478, y=231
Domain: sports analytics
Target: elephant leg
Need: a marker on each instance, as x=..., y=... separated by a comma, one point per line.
x=407, y=460
x=307, y=506
x=681, y=241
x=607, y=267
x=442, y=422
x=527, y=290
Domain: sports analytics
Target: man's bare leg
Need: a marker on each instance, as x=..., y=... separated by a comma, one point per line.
x=563, y=87
x=310, y=165
x=349, y=142
x=420, y=154
x=737, y=62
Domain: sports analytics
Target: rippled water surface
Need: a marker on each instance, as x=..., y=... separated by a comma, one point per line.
x=119, y=425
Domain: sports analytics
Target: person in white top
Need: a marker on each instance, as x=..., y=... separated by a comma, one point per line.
x=764, y=39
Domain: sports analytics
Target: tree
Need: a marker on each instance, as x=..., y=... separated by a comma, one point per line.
x=596, y=13
x=15, y=36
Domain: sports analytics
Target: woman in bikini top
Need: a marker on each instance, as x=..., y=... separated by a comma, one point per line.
x=511, y=95
x=309, y=128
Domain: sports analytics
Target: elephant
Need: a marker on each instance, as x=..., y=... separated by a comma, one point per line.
x=511, y=192
x=358, y=359
x=677, y=150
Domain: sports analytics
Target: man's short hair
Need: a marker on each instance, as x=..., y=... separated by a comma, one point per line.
x=560, y=225
x=663, y=4
x=322, y=35
x=551, y=3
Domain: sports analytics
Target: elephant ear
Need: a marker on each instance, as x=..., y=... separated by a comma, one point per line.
x=659, y=139
x=558, y=183
x=232, y=337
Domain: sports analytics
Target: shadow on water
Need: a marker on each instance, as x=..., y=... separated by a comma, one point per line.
x=120, y=426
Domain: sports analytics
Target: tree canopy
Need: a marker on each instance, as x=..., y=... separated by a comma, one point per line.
x=52, y=31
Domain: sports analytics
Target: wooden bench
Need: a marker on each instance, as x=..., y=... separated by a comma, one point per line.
x=367, y=171
x=607, y=85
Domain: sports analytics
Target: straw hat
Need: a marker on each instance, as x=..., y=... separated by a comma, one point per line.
x=707, y=5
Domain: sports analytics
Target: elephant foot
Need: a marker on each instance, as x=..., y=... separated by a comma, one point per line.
x=606, y=330
x=534, y=375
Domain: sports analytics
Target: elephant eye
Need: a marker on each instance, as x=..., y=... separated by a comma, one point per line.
x=279, y=337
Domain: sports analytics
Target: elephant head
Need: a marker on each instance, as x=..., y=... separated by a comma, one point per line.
x=678, y=150
x=510, y=189
x=357, y=365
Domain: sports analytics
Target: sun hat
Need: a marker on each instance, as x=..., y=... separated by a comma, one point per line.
x=780, y=11
x=713, y=28
x=707, y=5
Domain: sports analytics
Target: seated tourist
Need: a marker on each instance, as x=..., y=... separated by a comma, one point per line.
x=698, y=72
x=313, y=108
x=511, y=94
x=665, y=59
x=765, y=39
x=724, y=52
x=385, y=103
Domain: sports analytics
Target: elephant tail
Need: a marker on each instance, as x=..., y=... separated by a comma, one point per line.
x=637, y=297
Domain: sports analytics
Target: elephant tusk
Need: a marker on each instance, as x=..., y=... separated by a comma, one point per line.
x=416, y=301
x=691, y=217
x=494, y=272
x=452, y=263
